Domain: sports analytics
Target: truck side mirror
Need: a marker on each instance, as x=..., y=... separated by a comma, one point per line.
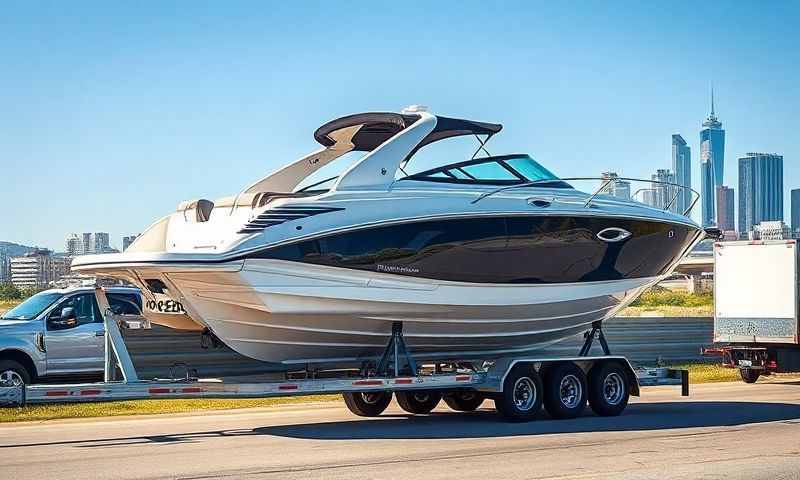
x=66, y=320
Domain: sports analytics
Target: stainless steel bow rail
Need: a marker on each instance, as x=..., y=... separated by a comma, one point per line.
x=605, y=183
x=510, y=381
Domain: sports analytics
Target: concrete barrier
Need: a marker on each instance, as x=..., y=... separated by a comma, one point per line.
x=644, y=340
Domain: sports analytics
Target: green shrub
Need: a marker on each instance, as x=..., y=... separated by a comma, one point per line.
x=9, y=292
x=656, y=298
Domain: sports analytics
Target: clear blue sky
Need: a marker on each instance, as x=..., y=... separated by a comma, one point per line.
x=112, y=113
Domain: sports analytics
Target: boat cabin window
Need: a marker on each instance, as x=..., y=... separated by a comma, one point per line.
x=499, y=170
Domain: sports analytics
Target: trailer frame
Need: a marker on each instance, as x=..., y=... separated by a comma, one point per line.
x=488, y=379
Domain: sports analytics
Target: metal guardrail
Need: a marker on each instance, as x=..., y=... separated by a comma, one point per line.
x=646, y=340
x=643, y=340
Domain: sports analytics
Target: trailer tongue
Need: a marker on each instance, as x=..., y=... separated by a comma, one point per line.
x=519, y=386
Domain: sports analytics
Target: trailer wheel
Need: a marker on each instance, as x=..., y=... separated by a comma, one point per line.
x=367, y=404
x=464, y=400
x=565, y=389
x=749, y=375
x=418, y=402
x=608, y=389
x=521, y=398
x=13, y=374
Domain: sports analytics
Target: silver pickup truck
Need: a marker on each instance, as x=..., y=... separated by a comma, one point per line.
x=59, y=334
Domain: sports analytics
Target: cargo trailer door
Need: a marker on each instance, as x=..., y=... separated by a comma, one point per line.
x=755, y=292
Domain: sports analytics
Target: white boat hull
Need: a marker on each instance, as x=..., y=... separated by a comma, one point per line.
x=282, y=312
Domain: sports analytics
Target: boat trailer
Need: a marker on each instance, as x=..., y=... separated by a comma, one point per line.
x=518, y=385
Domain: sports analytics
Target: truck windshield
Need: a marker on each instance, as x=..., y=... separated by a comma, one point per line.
x=32, y=307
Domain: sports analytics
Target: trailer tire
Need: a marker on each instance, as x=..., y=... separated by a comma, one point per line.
x=749, y=375
x=464, y=400
x=418, y=402
x=13, y=373
x=521, y=398
x=608, y=389
x=565, y=390
x=367, y=404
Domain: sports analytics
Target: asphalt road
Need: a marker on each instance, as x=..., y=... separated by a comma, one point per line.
x=730, y=431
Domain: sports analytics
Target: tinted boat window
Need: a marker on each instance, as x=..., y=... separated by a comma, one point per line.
x=528, y=168
x=489, y=171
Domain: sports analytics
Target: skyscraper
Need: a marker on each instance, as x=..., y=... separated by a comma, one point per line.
x=660, y=195
x=616, y=188
x=74, y=245
x=127, y=241
x=725, y=220
x=682, y=166
x=760, y=189
x=795, y=212
x=712, y=163
x=87, y=242
x=101, y=243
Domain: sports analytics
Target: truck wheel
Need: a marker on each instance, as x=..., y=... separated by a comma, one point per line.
x=565, y=389
x=418, y=402
x=13, y=374
x=464, y=401
x=367, y=404
x=521, y=398
x=608, y=389
x=749, y=375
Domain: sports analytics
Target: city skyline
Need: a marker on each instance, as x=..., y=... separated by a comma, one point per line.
x=187, y=106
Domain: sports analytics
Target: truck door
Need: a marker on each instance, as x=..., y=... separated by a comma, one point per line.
x=74, y=336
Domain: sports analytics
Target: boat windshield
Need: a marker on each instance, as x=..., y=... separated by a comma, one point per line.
x=498, y=170
x=32, y=307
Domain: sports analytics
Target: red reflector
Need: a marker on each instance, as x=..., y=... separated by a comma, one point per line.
x=463, y=378
x=288, y=387
x=57, y=393
x=368, y=382
x=159, y=390
x=192, y=390
x=91, y=392
x=404, y=381
x=772, y=365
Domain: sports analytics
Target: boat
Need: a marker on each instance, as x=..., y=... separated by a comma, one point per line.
x=487, y=256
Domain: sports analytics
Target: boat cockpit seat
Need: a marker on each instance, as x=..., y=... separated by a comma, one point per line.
x=199, y=210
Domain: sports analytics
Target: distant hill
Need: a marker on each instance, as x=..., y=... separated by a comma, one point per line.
x=14, y=249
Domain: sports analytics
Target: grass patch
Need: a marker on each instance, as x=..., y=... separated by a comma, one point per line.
x=146, y=407
x=667, y=311
x=657, y=297
x=703, y=372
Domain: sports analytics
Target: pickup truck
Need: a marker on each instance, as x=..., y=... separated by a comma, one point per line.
x=59, y=334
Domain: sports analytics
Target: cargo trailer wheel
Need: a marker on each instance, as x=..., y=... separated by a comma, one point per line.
x=418, y=402
x=608, y=389
x=749, y=375
x=367, y=404
x=565, y=389
x=13, y=374
x=521, y=398
x=464, y=401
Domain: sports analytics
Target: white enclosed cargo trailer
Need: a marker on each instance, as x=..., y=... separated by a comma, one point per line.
x=519, y=386
x=756, y=306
